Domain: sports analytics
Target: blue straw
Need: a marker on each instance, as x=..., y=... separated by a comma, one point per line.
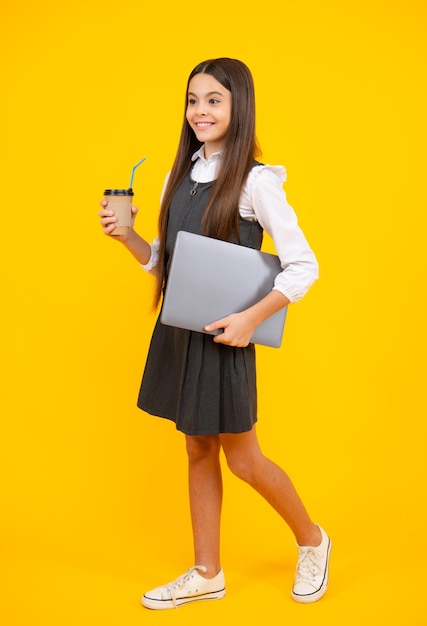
x=133, y=172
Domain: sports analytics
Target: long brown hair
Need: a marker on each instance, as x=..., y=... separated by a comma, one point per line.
x=221, y=215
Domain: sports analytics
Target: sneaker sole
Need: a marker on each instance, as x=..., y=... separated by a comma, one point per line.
x=316, y=595
x=152, y=603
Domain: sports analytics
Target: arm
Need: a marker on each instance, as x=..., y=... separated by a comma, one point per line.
x=143, y=252
x=264, y=199
x=138, y=247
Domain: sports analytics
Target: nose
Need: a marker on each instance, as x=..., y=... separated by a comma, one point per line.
x=201, y=108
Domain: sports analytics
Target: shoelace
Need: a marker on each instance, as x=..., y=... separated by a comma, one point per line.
x=308, y=566
x=181, y=581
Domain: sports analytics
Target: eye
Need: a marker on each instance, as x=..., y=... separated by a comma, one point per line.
x=213, y=101
x=191, y=101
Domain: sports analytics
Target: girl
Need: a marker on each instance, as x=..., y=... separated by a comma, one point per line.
x=206, y=384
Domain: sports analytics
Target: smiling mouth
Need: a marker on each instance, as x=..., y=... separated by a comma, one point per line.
x=203, y=125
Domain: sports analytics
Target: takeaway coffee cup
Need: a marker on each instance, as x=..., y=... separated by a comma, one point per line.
x=120, y=201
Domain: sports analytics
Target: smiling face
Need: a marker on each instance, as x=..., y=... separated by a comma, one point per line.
x=209, y=111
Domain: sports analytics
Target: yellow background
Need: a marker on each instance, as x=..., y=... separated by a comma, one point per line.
x=93, y=507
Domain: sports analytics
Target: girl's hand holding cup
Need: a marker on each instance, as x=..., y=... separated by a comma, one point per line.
x=111, y=223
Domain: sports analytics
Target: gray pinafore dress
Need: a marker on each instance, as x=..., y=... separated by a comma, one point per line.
x=204, y=387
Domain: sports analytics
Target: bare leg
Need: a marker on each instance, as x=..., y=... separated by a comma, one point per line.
x=246, y=460
x=205, y=490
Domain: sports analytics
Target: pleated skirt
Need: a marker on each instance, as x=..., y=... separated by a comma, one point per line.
x=204, y=387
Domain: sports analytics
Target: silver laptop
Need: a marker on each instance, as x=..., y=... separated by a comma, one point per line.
x=210, y=279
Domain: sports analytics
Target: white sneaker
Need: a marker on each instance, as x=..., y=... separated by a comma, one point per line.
x=187, y=588
x=311, y=579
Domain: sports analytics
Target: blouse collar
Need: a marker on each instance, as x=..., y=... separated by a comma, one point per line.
x=200, y=154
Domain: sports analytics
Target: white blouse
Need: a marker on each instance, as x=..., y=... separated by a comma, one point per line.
x=264, y=200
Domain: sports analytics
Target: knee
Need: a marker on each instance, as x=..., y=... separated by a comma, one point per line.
x=241, y=466
x=201, y=448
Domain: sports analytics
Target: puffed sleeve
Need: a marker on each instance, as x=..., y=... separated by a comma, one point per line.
x=264, y=194
x=154, y=258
